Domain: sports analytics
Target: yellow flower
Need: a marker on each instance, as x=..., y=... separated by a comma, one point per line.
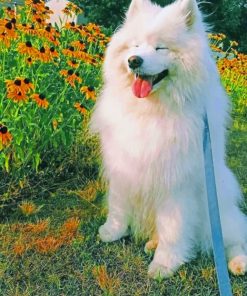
x=233, y=43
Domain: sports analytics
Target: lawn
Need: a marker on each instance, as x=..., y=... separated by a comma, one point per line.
x=51, y=190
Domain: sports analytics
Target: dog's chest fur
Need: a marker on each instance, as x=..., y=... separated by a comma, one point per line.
x=145, y=144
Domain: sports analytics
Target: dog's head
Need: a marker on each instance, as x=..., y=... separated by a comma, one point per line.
x=155, y=46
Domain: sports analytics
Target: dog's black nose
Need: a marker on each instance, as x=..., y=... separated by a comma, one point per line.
x=135, y=62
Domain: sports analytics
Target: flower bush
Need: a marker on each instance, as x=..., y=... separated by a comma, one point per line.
x=48, y=77
x=232, y=67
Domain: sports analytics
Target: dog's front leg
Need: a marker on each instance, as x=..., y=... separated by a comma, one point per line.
x=116, y=225
x=176, y=218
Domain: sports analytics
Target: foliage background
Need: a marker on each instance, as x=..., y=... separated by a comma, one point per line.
x=225, y=16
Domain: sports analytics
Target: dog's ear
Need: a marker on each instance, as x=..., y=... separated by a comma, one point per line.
x=135, y=6
x=189, y=9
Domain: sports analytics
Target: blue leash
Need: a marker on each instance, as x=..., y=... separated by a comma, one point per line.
x=216, y=232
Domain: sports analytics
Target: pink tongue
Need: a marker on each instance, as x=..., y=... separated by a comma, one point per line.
x=141, y=88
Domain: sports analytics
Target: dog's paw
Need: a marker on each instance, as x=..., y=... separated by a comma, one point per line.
x=150, y=246
x=110, y=234
x=238, y=265
x=159, y=271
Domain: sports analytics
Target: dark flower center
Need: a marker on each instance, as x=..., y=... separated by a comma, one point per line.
x=48, y=29
x=72, y=24
x=28, y=44
x=24, y=25
x=13, y=21
x=47, y=7
x=77, y=74
x=71, y=48
x=74, y=62
x=42, y=96
x=19, y=93
x=3, y=129
x=8, y=25
x=81, y=42
x=36, y=1
x=52, y=49
x=26, y=81
x=42, y=49
x=17, y=82
x=70, y=72
x=9, y=8
x=39, y=20
x=81, y=106
x=32, y=27
x=29, y=59
x=91, y=88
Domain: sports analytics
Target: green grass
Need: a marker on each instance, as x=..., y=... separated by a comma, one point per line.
x=87, y=266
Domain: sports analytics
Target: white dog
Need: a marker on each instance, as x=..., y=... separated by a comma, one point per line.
x=159, y=79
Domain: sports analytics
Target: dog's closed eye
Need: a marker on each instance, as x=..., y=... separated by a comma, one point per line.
x=161, y=48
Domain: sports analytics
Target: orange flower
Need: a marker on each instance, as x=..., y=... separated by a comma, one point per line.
x=44, y=55
x=8, y=27
x=71, y=9
x=41, y=100
x=91, y=39
x=70, y=51
x=28, y=49
x=73, y=63
x=19, y=84
x=29, y=61
x=71, y=77
x=5, y=39
x=93, y=27
x=23, y=85
x=71, y=26
x=17, y=96
x=89, y=92
x=27, y=29
x=79, y=44
x=53, y=53
x=10, y=12
x=49, y=33
x=80, y=108
x=5, y=136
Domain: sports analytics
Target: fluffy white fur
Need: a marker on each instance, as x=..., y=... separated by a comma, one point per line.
x=152, y=147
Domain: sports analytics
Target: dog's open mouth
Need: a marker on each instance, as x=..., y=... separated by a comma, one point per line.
x=143, y=84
